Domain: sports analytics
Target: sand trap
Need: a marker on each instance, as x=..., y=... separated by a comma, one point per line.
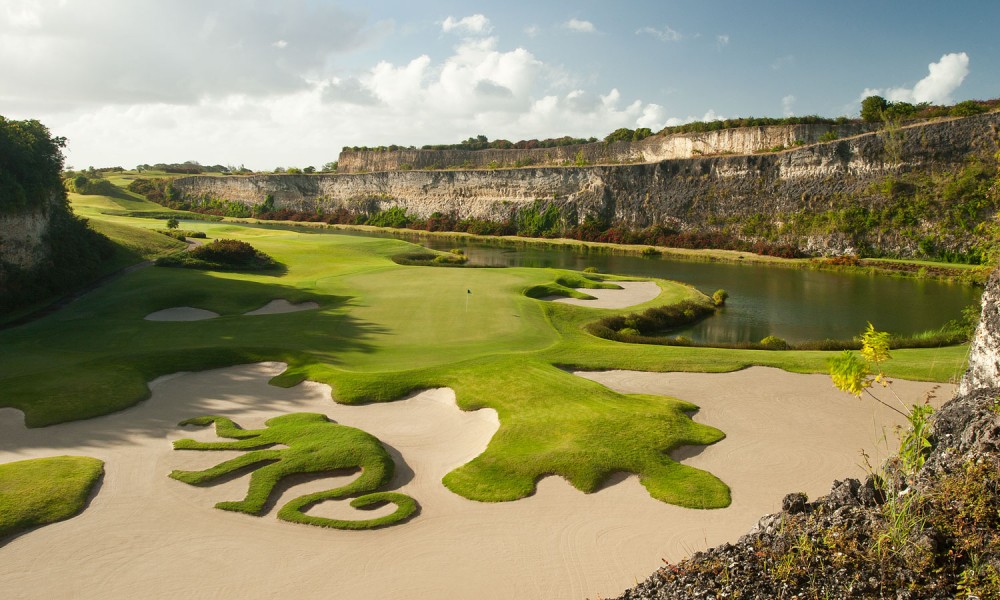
x=276, y=307
x=181, y=313
x=632, y=293
x=146, y=535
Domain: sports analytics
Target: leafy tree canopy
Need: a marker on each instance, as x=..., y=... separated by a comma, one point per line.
x=30, y=163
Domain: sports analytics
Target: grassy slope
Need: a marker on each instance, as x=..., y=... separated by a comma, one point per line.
x=384, y=330
x=44, y=490
x=311, y=444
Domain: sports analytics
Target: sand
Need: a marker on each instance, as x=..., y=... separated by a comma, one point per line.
x=146, y=535
x=181, y=313
x=187, y=313
x=631, y=294
x=276, y=307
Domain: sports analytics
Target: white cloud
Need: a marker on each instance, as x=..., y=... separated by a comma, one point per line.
x=532, y=30
x=943, y=78
x=23, y=14
x=218, y=48
x=477, y=24
x=664, y=35
x=710, y=115
x=280, y=44
x=580, y=26
x=479, y=88
x=788, y=105
x=722, y=40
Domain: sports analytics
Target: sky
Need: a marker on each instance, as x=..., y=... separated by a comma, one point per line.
x=269, y=83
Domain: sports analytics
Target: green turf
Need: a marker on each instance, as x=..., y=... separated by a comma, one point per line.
x=384, y=330
x=313, y=444
x=45, y=490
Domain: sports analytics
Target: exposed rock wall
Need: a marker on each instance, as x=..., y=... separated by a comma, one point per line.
x=22, y=237
x=685, y=194
x=984, y=353
x=746, y=140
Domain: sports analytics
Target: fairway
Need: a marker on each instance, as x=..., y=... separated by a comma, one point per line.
x=377, y=332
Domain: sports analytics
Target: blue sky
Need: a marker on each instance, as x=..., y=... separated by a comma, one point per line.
x=270, y=83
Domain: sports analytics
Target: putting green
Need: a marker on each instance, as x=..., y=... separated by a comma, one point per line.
x=40, y=491
x=383, y=330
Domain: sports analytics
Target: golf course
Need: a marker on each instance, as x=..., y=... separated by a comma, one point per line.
x=472, y=400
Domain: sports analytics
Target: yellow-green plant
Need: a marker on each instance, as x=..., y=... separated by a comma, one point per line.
x=857, y=374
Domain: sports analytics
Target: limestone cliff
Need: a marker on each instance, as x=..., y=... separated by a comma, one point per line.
x=717, y=193
x=22, y=237
x=984, y=353
x=744, y=140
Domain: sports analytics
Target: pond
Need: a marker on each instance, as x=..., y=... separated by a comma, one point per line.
x=794, y=304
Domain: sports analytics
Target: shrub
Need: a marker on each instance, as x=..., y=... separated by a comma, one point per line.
x=719, y=297
x=967, y=109
x=220, y=254
x=173, y=223
x=774, y=343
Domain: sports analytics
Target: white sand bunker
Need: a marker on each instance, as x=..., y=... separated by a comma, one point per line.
x=181, y=313
x=148, y=535
x=279, y=306
x=632, y=293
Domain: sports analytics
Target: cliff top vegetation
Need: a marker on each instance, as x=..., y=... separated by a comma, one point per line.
x=30, y=162
x=872, y=111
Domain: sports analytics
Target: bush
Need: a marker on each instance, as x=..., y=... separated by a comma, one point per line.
x=650, y=323
x=719, y=297
x=220, y=254
x=774, y=343
x=967, y=109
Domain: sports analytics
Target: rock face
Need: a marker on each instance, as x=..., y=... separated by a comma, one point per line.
x=744, y=140
x=853, y=543
x=21, y=238
x=23, y=232
x=984, y=354
x=701, y=194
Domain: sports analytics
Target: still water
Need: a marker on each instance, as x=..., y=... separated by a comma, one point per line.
x=793, y=304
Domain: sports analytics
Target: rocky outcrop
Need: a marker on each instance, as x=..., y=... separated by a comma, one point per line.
x=744, y=140
x=935, y=534
x=699, y=194
x=984, y=354
x=22, y=237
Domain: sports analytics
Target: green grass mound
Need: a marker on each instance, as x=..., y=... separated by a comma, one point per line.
x=314, y=445
x=223, y=255
x=430, y=259
x=568, y=284
x=45, y=490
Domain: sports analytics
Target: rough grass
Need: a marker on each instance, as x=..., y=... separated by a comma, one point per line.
x=45, y=490
x=384, y=330
x=314, y=444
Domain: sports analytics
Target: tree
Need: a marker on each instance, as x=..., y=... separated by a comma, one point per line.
x=872, y=109
x=623, y=134
x=173, y=223
x=30, y=163
x=330, y=167
x=967, y=109
x=309, y=169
